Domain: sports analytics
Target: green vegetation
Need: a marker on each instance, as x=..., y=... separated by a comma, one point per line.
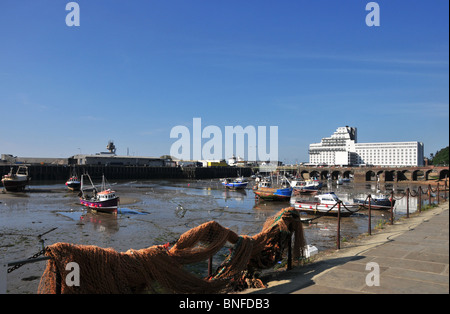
x=440, y=158
x=428, y=206
x=380, y=224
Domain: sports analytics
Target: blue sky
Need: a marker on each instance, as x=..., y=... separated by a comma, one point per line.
x=133, y=70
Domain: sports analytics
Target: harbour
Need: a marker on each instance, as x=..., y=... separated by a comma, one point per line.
x=156, y=212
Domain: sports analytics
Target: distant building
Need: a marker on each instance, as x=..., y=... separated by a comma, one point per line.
x=342, y=148
x=10, y=159
x=112, y=159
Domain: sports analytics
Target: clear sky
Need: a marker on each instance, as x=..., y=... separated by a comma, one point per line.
x=133, y=70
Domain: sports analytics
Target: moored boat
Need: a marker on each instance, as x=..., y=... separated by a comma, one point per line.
x=326, y=204
x=73, y=183
x=376, y=202
x=265, y=191
x=105, y=201
x=307, y=186
x=236, y=184
x=16, y=181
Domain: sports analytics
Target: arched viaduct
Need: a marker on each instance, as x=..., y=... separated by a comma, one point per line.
x=367, y=174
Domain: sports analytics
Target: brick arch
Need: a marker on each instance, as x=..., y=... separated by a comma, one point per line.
x=371, y=176
x=444, y=173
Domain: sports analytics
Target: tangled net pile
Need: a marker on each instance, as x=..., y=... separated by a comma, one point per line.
x=134, y=271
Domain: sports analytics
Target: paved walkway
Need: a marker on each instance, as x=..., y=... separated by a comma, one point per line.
x=412, y=256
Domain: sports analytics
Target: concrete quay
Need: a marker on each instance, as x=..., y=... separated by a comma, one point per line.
x=412, y=255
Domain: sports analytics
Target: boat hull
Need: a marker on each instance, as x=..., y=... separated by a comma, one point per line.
x=15, y=185
x=325, y=209
x=235, y=186
x=272, y=194
x=109, y=206
x=376, y=204
x=73, y=186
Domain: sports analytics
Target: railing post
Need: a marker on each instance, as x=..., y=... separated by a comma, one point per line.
x=429, y=194
x=370, y=216
x=407, y=202
x=338, y=240
x=419, y=192
x=445, y=189
x=438, y=193
x=392, y=208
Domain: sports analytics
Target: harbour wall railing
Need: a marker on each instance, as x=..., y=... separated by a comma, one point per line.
x=431, y=195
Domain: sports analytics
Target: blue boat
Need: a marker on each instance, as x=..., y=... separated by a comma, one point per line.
x=236, y=184
x=265, y=191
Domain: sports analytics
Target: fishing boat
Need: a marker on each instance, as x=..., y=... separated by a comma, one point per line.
x=105, y=201
x=307, y=186
x=236, y=184
x=16, y=181
x=74, y=183
x=265, y=191
x=376, y=202
x=325, y=204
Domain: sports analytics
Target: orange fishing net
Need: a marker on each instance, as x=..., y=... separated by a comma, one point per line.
x=158, y=267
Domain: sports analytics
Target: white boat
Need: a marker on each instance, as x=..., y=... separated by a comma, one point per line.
x=326, y=204
x=306, y=185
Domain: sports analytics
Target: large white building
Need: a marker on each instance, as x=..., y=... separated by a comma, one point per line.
x=342, y=148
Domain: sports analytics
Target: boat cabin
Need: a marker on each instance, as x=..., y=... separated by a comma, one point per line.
x=106, y=195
